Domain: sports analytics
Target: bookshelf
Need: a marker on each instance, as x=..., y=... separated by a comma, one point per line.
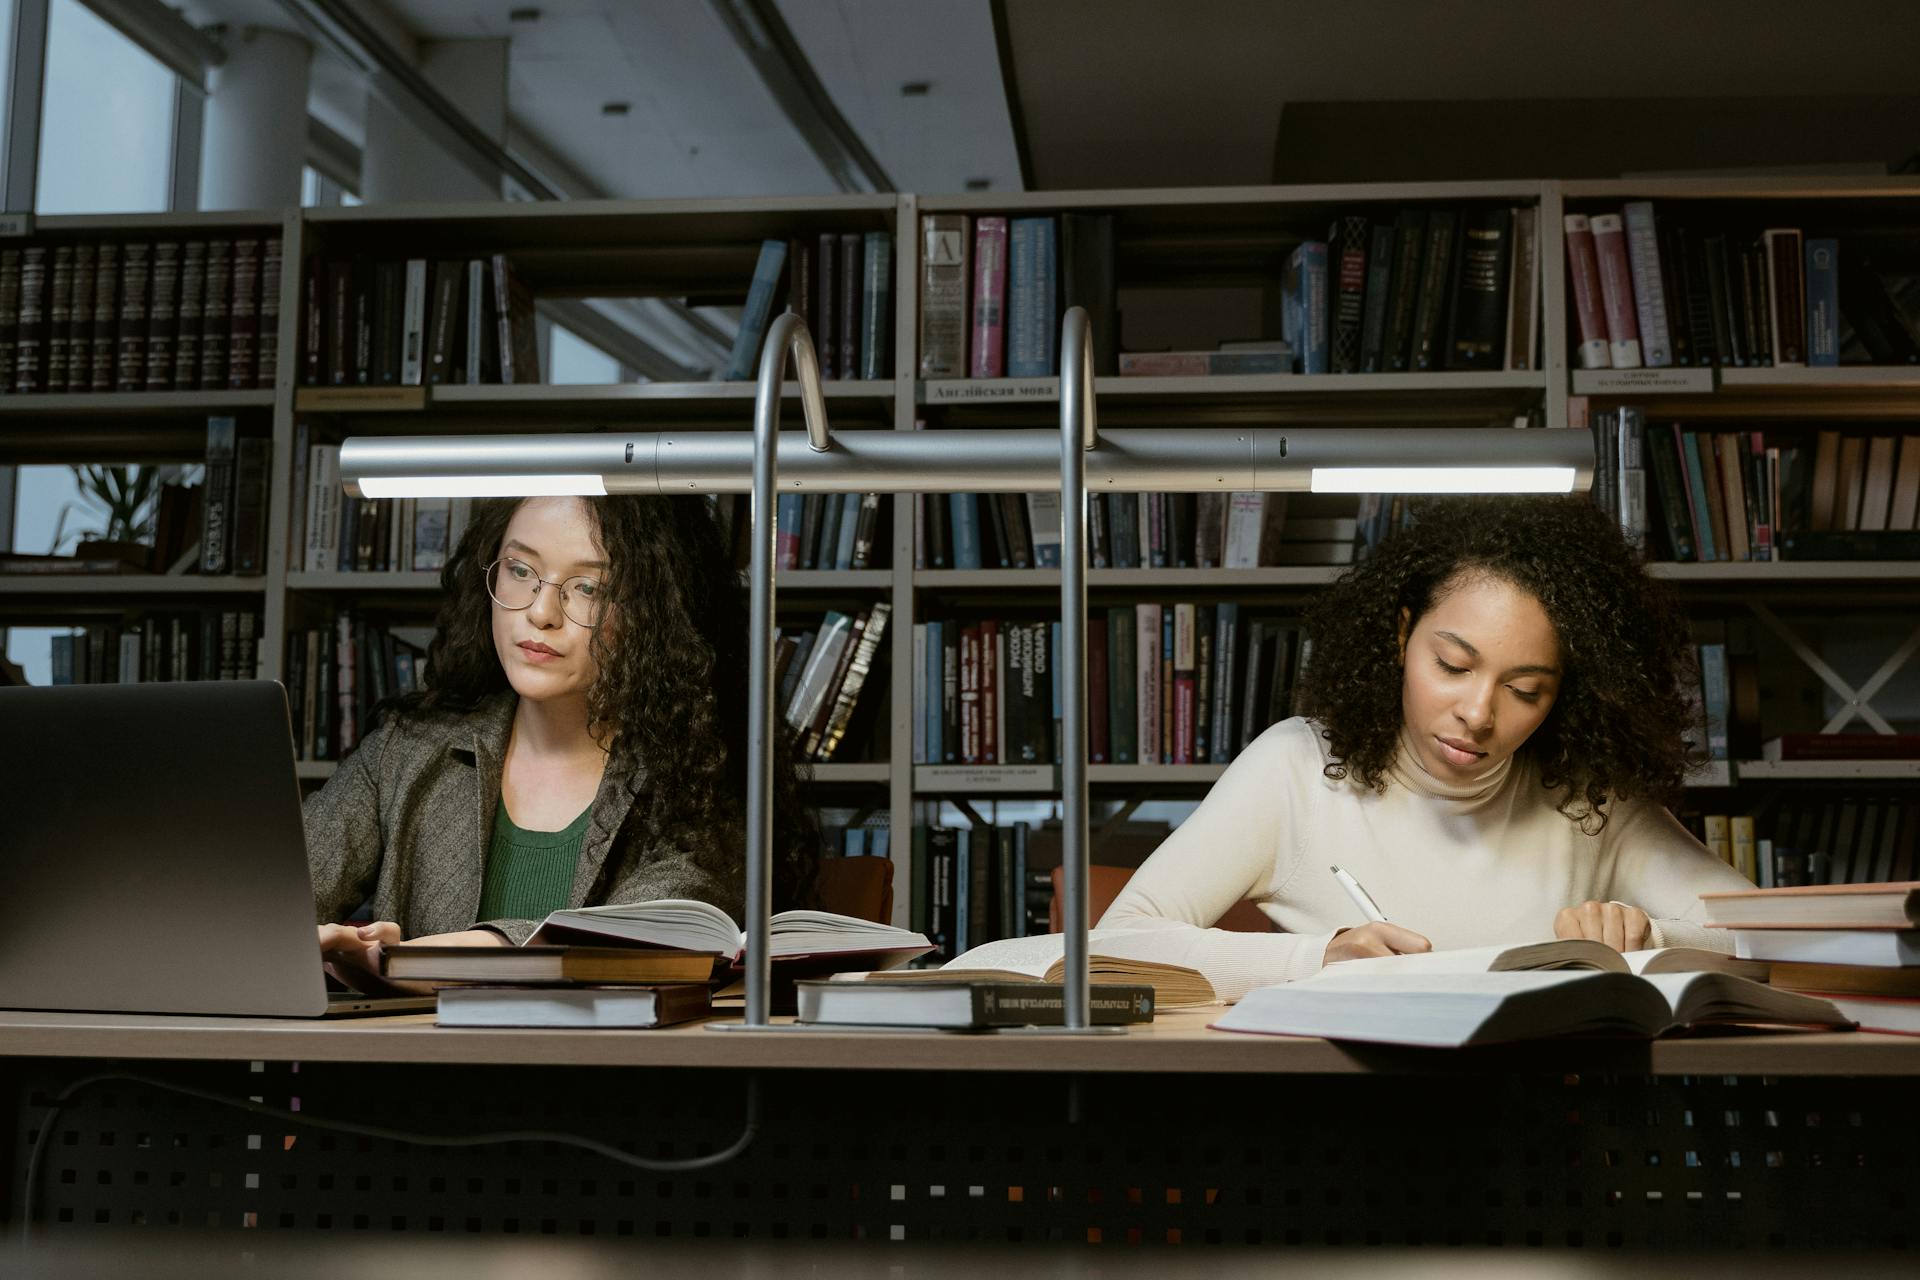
x=1189, y=263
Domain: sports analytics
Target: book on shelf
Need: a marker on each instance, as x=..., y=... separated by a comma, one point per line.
x=1842, y=746
x=960, y=1005
x=168, y=645
x=946, y=267
x=338, y=672
x=1879, y=948
x=1455, y=1010
x=1894, y=906
x=1033, y=290
x=607, y=1007
x=809, y=939
x=988, y=331
x=543, y=964
x=1558, y=953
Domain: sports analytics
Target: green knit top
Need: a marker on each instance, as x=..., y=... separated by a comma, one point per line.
x=529, y=873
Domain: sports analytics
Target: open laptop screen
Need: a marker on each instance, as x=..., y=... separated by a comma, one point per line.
x=151, y=852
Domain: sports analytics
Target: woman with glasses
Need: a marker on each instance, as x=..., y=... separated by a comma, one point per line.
x=580, y=739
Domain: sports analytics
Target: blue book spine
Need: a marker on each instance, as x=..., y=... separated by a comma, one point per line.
x=1715, y=696
x=1823, y=303
x=966, y=530
x=744, y=364
x=856, y=842
x=1697, y=478
x=1309, y=301
x=786, y=546
x=936, y=661
x=879, y=841
x=1059, y=703
x=876, y=340
x=849, y=522
x=1225, y=620
x=1032, y=284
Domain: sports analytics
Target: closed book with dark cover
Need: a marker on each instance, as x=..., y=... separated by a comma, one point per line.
x=1852, y=544
x=10, y=317
x=743, y=362
x=216, y=527
x=846, y=344
x=1347, y=245
x=1373, y=315
x=130, y=356
x=876, y=313
x=967, y=1006
x=79, y=320
x=1436, y=275
x=388, y=283
x=1409, y=242
x=243, y=333
x=443, y=323
x=1477, y=334
x=30, y=339
x=250, y=504
x=187, y=318
x=216, y=317
x=59, y=319
x=163, y=312
x=513, y=306
x=824, y=307
x=628, y=1008
x=266, y=342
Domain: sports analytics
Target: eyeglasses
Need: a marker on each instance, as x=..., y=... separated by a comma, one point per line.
x=513, y=584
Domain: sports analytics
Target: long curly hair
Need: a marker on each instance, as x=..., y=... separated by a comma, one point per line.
x=672, y=686
x=1620, y=724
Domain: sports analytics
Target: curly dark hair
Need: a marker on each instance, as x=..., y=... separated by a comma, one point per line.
x=672, y=688
x=1620, y=723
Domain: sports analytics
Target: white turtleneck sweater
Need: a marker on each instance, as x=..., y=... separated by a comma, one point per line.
x=1469, y=865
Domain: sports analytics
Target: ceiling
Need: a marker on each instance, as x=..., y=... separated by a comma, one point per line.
x=1157, y=92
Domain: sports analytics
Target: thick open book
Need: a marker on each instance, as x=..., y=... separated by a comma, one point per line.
x=849, y=942
x=1449, y=1010
x=965, y=1005
x=1114, y=956
x=1560, y=953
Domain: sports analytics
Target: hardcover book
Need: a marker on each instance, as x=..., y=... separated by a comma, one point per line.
x=586, y=1006
x=957, y=1005
x=794, y=937
x=544, y=964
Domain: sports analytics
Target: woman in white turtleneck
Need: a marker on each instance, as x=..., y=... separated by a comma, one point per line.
x=1500, y=699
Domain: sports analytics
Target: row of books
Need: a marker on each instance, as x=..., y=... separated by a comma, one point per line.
x=336, y=532
x=829, y=531
x=1848, y=839
x=1428, y=289
x=111, y=315
x=1166, y=684
x=1730, y=495
x=338, y=672
x=405, y=323
x=206, y=644
x=972, y=885
x=1649, y=290
x=820, y=672
x=841, y=283
x=1125, y=531
x=993, y=290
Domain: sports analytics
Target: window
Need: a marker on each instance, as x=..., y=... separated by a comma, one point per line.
x=575, y=361
x=106, y=129
x=317, y=190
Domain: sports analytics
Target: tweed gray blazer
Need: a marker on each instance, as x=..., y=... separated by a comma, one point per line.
x=407, y=818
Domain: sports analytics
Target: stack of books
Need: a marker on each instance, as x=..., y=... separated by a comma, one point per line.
x=1856, y=944
x=558, y=986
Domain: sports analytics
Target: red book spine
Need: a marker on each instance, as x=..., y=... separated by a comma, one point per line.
x=1616, y=291
x=989, y=298
x=990, y=692
x=1583, y=271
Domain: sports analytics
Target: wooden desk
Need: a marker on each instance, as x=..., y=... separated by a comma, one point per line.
x=1169, y=1133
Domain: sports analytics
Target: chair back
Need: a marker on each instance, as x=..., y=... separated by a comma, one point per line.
x=1105, y=883
x=859, y=887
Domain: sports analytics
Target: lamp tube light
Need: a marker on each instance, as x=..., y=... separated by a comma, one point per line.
x=1442, y=480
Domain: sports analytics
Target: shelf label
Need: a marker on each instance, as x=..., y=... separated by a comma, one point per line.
x=15, y=225
x=984, y=777
x=318, y=399
x=987, y=390
x=1639, y=382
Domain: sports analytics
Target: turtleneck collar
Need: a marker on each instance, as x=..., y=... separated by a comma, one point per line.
x=1412, y=774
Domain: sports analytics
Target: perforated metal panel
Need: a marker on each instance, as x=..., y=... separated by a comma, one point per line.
x=1554, y=1161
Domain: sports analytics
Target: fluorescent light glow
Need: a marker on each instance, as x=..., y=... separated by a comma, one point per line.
x=1443, y=480
x=483, y=486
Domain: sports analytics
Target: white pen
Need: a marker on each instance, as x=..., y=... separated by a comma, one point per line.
x=1359, y=896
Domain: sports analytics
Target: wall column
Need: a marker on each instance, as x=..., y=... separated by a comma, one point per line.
x=255, y=138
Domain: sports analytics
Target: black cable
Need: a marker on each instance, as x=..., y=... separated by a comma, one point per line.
x=66, y=1095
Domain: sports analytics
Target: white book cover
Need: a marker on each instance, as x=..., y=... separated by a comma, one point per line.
x=413, y=322
x=1146, y=618
x=821, y=663
x=323, y=508
x=1243, y=530
x=1043, y=515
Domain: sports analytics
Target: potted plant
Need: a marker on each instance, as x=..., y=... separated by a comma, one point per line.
x=120, y=500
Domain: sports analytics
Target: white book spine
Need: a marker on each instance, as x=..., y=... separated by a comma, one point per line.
x=323, y=507
x=821, y=663
x=413, y=322
x=1649, y=293
x=1147, y=681
x=1043, y=515
x=1243, y=530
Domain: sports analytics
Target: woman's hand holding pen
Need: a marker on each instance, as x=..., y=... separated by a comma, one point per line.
x=1376, y=939
x=1620, y=926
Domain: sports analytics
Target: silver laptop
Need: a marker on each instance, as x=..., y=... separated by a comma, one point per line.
x=152, y=858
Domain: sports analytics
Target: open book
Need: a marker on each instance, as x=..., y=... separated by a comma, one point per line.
x=1561, y=953
x=1449, y=1010
x=846, y=941
x=1114, y=956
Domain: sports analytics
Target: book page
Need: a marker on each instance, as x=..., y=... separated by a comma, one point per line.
x=1560, y=953
x=1693, y=960
x=1722, y=997
x=1035, y=955
x=681, y=922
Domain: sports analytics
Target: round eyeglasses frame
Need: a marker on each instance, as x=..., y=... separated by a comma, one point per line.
x=565, y=587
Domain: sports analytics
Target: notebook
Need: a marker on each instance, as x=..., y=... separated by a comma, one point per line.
x=139, y=815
